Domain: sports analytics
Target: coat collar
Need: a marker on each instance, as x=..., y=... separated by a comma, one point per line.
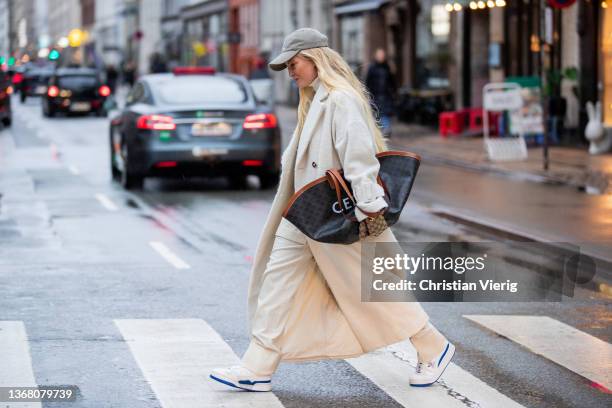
x=317, y=107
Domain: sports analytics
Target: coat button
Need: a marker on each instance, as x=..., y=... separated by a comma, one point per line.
x=314, y=164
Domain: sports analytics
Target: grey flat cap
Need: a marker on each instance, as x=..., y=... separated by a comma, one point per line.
x=302, y=39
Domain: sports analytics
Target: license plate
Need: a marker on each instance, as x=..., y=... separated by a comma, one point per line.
x=208, y=152
x=211, y=129
x=41, y=89
x=80, y=106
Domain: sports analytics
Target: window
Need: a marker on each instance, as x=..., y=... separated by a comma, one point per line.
x=432, y=45
x=200, y=90
x=77, y=81
x=351, y=32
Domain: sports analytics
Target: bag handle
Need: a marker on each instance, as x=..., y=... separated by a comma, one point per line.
x=338, y=182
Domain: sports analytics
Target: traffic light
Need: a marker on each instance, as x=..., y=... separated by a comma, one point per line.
x=54, y=55
x=11, y=61
x=2, y=59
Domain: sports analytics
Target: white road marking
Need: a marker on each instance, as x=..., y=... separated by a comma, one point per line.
x=74, y=170
x=16, y=363
x=177, y=355
x=571, y=348
x=106, y=202
x=390, y=367
x=169, y=256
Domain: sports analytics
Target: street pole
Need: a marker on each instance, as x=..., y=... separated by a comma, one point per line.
x=544, y=66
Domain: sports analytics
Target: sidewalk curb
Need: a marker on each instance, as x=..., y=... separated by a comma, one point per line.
x=602, y=282
x=512, y=174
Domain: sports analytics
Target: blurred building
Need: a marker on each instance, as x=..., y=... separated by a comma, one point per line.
x=150, y=49
x=243, y=36
x=172, y=30
x=64, y=16
x=5, y=29
x=205, y=34
x=279, y=18
x=24, y=33
x=109, y=32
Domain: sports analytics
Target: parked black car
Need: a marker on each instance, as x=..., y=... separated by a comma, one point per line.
x=5, y=99
x=75, y=90
x=34, y=82
x=194, y=122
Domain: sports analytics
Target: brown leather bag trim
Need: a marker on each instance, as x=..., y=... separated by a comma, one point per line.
x=399, y=153
x=324, y=179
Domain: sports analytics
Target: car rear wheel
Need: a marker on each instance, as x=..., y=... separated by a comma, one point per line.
x=268, y=180
x=129, y=180
x=115, y=173
x=48, y=111
x=238, y=181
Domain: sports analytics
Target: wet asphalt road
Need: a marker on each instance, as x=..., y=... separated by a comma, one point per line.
x=70, y=264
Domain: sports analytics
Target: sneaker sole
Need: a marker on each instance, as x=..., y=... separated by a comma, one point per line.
x=256, y=388
x=451, y=355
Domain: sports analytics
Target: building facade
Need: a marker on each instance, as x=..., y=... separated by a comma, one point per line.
x=205, y=31
x=5, y=30
x=279, y=18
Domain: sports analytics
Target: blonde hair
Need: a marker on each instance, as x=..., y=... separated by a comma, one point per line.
x=335, y=73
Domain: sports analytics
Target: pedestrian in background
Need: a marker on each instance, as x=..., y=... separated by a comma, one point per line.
x=381, y=85
x=129, y=73
x=305, y=296
x=260, y=70
x=111, y=77
x=157, y=64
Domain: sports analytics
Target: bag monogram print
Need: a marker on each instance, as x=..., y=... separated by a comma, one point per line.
x=324, y=209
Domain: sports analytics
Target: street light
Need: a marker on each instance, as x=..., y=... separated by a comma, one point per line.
x=63, y=42
x=75, y=37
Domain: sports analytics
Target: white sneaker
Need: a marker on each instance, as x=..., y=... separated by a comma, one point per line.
x=428, y=373
x=243, y=378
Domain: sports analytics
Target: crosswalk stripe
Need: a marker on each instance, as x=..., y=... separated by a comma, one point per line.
x=106, y=202
x=16, y=363
x=390, y=367
x=169, y=256
x=176, y=357
x=571, y=348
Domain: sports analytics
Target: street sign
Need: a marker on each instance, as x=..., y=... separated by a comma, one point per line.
x=503, y=99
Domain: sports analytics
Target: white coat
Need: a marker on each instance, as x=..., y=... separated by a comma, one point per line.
x=327, y=318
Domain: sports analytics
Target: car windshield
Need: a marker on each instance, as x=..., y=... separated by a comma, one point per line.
x=200, y=90
x=78, y=81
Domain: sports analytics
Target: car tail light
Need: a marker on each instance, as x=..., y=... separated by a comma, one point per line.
x=17, y=78
x=155, y=122
x=252, y=163
x=260, y=121
x=53, y=91
x=104, y=90
x=166, y=164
